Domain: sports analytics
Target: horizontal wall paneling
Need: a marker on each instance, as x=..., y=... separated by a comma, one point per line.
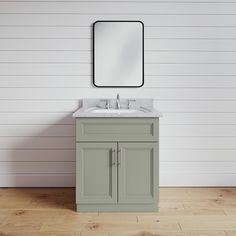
x=46, y=68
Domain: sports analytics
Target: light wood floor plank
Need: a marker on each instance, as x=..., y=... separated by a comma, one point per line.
x=150, y=233
x=208, y=223
x=230, y=211
x=36, y=233
x=182, y=233
x=231, y=233
x=208, y=233
x=183, y=212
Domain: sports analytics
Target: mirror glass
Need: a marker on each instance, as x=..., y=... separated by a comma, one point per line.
x=118, y=54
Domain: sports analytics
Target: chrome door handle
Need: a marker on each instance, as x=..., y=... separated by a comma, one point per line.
x=118, y=157
x=113, y=154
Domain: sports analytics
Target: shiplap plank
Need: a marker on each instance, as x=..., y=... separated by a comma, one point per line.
x=198, y=143
x=182, y=155
x=198, y=167
x=37, y=119
x=190, y=57
x=86, y=20
x=37, y=180
x=86, y=69
x=190, y=44
x=44, y=143
x=45, y=81
x=203, y=1
x=75, y=57
x=47, y=31
x=20, y=106
x=176, y=1
x=118, y=7
x=37, y=81
x=149, y=44
x=31, y=106
x=199, y=118
x=37, y=130
x=197, y=130
x=189, y=32
x=190, y=81
x=37, y=167
x=196, y=106
x=45, y=69
x=46, y=56
x=19, y=155
x=169, y=179
x=155, y=93
x=45, y=44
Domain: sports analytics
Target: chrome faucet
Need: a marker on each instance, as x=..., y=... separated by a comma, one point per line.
x=117, y=101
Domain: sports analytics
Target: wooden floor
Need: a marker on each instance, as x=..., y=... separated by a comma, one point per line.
x=183, y=212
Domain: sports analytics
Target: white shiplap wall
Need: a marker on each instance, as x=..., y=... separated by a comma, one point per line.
x=190, y=71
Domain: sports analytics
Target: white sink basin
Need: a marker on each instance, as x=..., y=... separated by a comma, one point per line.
x=116, y=111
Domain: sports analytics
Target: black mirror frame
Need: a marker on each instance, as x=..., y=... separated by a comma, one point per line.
x=93, y=49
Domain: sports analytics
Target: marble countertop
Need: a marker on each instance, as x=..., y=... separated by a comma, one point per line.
x=139, y=108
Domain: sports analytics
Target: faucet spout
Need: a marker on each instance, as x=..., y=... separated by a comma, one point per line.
x=117, y=101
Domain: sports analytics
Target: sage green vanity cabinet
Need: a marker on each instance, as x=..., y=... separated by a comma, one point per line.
x=117, y=166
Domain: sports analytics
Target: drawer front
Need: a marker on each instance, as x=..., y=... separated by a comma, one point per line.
x=117, y=129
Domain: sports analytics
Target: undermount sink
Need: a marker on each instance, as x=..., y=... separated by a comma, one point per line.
x=114, y=111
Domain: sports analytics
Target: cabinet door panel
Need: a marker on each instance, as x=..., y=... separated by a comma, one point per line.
x=96, y=180
x=137, y=172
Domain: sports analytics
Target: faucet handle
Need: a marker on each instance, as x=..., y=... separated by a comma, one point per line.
x=107, y=104
x=129, y=102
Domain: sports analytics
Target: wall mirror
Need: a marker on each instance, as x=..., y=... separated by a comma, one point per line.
x=118, y=54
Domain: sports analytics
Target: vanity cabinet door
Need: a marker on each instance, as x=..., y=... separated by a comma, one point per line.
x=137, y=172
x=96, y=177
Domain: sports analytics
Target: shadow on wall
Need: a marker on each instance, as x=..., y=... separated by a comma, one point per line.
x=22, y=199
x=46, y=158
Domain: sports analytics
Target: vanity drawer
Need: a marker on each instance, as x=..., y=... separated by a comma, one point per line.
x=117, y=129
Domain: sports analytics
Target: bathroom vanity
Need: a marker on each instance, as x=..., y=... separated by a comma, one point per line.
x=117, y=164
